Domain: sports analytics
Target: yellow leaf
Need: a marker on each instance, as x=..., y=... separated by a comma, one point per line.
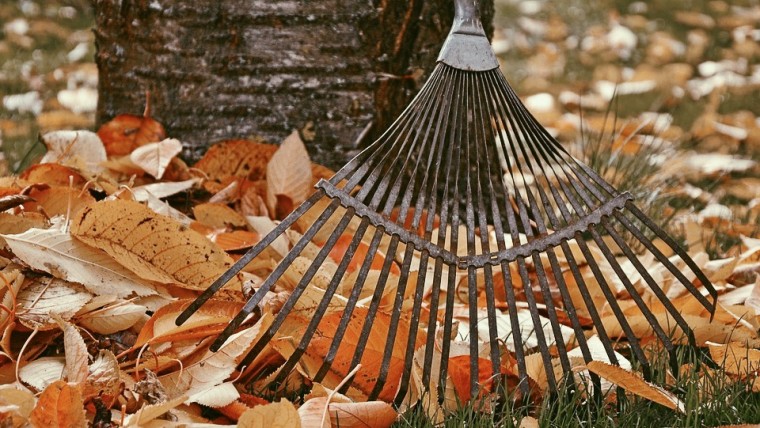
x=60, y=405
x=735, y=358
x=274, y=415
x=154, y=247
x=634, y=384
x=372, y=414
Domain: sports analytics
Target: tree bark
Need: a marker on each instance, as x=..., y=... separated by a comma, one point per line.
x=240, y=68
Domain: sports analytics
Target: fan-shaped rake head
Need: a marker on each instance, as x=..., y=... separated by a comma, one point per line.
x=465, y=240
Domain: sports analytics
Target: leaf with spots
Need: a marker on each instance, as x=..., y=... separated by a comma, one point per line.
x=154, y=247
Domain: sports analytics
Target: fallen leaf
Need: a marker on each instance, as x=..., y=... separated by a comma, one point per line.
x=209, y=319
x=104, y=376
x=150, y=412
x=288, y=176
x=53, y=174
x=372, y=414
x=42, y=372
x=17, y=404
x=214, y=367
x=57, y=253
x=112, y=318
x=219, y=216
x=81, y=150
x=238, y=158
x=59, y=200
x=60, y=405
x=154, y=158
x=735, y=358
x=75, y=351
x=274, y=415
x=126, y=132
x=218, y=396
x=42, y=296
x=634, y=384
x=152, y=246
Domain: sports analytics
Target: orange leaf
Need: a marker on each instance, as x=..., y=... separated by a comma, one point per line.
x=459, y=371
x=60, y=405
x=52, y=174
x=127, y=132
x=236, y=240
x=212, y=316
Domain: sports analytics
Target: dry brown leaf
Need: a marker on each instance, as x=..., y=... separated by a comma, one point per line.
x=104, y=376
x=372, y=414
x=42, y=372
x=288, y=176
x=528, y=422
x=126, y=132
x=56, y=252
x=150, y=412
x=113, y=318
x=58, y=200
x=53, y=174
x=75, y=352
x=238, y=158
x=61, y=406
x=216, y=397
x=209, y=319
x=154, y=158
x=15, y=224
x=236, y=240
x=16, y=404
x=634, y=384
x=80, y=150
x=275, y=415
x=736, y=358
x=42, y=296
x=154, y=247
x=219, y=216
x=214, y=367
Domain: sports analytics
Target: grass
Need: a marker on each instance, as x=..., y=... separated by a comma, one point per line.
x=710, y=400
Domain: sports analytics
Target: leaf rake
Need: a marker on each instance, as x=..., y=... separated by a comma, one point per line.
x=474, y=204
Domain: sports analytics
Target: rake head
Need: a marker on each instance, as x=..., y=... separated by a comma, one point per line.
x=465, y=232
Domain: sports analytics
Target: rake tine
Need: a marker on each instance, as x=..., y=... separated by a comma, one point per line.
x=248, y=256
x=273, y=277
x=329, y=292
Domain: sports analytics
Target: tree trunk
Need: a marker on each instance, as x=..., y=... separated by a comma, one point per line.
x=240, y=68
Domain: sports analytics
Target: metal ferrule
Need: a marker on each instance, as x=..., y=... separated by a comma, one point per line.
x=467, y=47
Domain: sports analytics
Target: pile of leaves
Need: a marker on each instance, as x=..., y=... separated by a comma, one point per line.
x=111, y=236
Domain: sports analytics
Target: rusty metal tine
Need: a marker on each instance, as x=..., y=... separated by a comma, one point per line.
x=484, y=176
x=642, y=270
x=350, y=304
x=311, y=328
x=683, y=255
x=413, y=326
x=274, y=276
x=248, y=256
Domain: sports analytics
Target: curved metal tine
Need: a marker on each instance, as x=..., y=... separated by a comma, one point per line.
x=643, y=307
x=350, y=304
x=484, y=141
x=455, y=138
x=248, y=256
x=514, y=141
x=403, y=281
x=274, y=276
x=650, y=281
x=373, y=307
x=472, y=286
x=402, y=120
x=311, y=328
x=436, y=152
x=529, y=140
x=497, y=127
x=633, y=209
